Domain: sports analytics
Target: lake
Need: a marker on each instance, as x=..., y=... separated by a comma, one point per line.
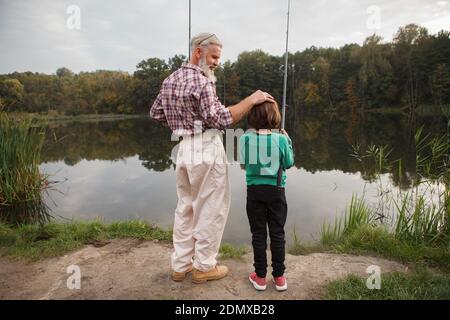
x=122, y=169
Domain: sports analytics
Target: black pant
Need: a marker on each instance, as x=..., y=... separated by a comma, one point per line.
x=266, y=206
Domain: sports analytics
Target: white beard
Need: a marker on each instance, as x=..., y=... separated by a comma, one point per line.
x=209, y=73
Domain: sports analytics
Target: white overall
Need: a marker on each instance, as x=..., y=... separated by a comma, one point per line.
x=203, y=201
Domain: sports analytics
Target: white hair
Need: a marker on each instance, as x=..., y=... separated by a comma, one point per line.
x=204, y=40
x=206, y=70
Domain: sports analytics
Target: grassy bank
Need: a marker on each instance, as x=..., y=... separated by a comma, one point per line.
x=429, y=266
x=378, y=241
x=418, y=237
x=229, y=251
x=420, y=285
x=35, y=242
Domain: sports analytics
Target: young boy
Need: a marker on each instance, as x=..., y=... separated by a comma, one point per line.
x=266, y=155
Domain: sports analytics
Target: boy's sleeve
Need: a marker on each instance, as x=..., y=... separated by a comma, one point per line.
x=287, y=152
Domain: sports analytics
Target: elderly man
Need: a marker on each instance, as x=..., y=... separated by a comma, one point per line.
x=188, y=104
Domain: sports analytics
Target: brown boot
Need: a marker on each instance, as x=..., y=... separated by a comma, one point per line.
x=218, y=272
x=180, y=276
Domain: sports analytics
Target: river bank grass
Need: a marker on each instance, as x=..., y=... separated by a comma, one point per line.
x=39, y=241
x=419, y=285
x=36, y=242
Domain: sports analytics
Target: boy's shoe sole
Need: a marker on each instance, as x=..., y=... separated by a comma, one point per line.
x=256, y=285
x=280, y=288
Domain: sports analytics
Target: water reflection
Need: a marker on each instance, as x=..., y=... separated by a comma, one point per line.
x=123, y=169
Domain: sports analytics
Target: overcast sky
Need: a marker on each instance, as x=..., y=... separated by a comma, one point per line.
x=117, y=34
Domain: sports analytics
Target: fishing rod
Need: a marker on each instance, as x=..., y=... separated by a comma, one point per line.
x=189, y=46
x=283, y=109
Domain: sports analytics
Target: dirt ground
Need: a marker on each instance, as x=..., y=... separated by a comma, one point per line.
x=135, y=269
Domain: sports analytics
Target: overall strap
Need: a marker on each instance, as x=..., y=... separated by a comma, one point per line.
x=280, y=173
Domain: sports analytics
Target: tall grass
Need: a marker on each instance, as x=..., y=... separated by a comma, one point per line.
x=297, y=247
x=418, y=218
x=21, y=183
x=422, y=216
x=421, y=222
x=355, y=216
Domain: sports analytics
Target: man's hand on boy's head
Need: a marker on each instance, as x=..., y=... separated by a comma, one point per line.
x=269, y=98
x=259, y=97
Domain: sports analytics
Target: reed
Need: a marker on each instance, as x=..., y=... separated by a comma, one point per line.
x=417, y=219
x=356, y=215
x=21, y=183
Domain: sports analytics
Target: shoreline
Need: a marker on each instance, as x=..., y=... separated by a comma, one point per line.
x=59, y=118
x=107, y=253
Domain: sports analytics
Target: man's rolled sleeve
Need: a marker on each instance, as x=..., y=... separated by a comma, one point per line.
x=214, y=114
x=157, y=111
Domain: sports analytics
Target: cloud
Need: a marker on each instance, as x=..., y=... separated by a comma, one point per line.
x=118, y=34
x=435, y=25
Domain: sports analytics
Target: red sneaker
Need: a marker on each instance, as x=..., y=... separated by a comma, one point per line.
x=257, y=282
x=280, y=283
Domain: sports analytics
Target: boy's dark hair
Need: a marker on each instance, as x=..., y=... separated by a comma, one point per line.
x=264, y=116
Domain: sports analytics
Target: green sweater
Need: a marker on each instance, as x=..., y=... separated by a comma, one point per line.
x=261, y=155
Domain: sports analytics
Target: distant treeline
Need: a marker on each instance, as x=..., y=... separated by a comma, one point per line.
x=412, y=70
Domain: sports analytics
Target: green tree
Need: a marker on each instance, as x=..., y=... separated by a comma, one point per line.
x=176, y=62
x=150, y=74
x=413, y=69
x=227, y=86
x=440, y=84
x=259, y=70
x=406, y=41
x=322, y=72
x=375, y=74
x=11, y=94
x=64, y=72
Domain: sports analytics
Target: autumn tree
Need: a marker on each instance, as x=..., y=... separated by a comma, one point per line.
x=11, y=94
x=322, y=75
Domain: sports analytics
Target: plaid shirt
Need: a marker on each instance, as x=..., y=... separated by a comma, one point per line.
x=188, y=103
